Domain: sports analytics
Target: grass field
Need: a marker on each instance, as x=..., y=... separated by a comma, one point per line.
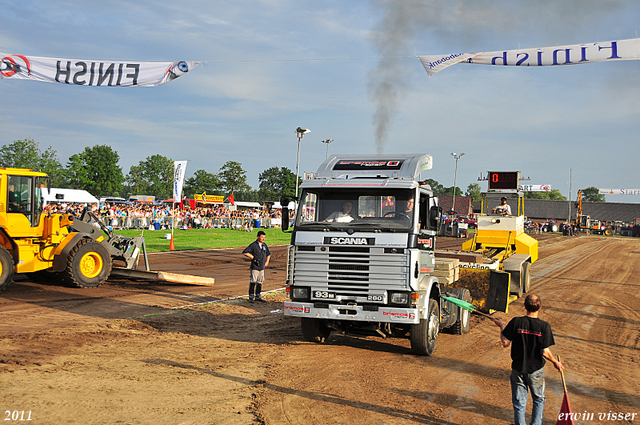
x=205, y=238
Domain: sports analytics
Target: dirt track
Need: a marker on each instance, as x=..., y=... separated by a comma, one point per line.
x=125, y=353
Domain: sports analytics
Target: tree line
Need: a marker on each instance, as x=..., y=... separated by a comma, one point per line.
x=96, y=170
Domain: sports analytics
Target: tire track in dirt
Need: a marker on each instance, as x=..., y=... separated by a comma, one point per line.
x=594, y=312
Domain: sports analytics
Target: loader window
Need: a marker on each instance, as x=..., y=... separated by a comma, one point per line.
x=19, y=195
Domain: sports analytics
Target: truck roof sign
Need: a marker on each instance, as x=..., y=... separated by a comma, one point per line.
x=351, y=165
x=375, y=166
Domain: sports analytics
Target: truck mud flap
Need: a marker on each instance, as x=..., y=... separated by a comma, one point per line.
x=489, y=288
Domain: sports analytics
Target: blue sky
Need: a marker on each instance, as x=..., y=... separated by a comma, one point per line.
x=261, y=80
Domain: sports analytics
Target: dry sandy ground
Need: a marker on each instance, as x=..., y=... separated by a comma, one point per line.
x=132, y=353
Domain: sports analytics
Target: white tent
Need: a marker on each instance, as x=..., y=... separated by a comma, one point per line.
x=69, y=195
x=292, y=205
x=248, y=204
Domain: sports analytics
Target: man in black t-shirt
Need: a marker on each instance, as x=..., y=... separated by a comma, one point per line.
x=259, y=254
x=530, y=339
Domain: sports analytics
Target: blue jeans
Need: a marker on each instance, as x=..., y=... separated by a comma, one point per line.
x=520, y=385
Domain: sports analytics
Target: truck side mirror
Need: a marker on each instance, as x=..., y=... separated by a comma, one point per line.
x=284, y=202
x=435, y=217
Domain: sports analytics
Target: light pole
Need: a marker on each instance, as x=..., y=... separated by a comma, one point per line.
x=327, y=141
x=455, y=178
x=300, y=132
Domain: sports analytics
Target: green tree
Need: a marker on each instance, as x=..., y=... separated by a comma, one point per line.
x=436, y=187
x=202, y=181
x=449, y=191
x=153, y=176
x=27, y=154
x=474, y=192
x=95, y=170
x=277, y=182
x=592, y=194
x=233, y=178
x=553, y=194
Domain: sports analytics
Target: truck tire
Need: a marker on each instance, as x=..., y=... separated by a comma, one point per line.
x=88, y=265
x=526, y=277
x=463, y=324
x=6, y=268
x=314, y=330
x=424, y=335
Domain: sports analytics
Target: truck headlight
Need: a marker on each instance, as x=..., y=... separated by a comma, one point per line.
x=399, y=298
x=300, y=293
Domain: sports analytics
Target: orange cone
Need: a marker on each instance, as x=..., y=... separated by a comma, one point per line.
x=171, y=246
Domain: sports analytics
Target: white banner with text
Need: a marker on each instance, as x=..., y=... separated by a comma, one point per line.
x=97, y=73
x=619, y=191
x=540, y=56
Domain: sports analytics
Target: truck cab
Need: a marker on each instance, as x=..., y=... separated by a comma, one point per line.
x=363, y=249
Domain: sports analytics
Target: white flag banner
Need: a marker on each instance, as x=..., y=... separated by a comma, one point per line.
x=535, y=187
x=179, y=168
x=619, y=191
x=541, y=56
x=83, y=72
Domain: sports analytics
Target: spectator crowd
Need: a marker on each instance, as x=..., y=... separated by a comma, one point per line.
x=159, y=217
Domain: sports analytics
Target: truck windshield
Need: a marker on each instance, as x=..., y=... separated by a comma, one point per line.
x=384, y=209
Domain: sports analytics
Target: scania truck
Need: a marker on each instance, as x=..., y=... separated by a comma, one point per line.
x=362, y=253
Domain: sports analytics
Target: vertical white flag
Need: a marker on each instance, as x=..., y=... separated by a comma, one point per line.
x=179, y=168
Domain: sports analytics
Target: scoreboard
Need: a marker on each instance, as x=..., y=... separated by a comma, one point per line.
x=504, y=180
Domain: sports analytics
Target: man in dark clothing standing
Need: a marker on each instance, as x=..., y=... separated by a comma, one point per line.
x=530, y=339
x=259, y=254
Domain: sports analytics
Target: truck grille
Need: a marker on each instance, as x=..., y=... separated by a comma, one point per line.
x=351, y=271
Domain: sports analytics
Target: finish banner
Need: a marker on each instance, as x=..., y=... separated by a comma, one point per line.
x=619, y=191
x=82, y=72
x=541, y=56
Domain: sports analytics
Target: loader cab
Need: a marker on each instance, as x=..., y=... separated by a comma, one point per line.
x=21, y=192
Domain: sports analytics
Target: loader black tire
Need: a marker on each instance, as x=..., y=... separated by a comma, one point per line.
x=6, y=268
x=314, y=330
x=88, y=265
x=424, y=335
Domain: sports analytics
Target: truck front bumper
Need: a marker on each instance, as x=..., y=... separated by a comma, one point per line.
x=355, y=313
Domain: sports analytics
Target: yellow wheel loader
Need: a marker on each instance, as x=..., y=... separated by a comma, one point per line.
x=40, y=244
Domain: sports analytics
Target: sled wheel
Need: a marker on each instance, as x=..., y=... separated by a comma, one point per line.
x=526, y=277
x=463, y=324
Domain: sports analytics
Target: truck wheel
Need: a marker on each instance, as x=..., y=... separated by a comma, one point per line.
x=88, y=265
x=314, y=330
x=526, y=277
x=6, y=268
x=463, y=324
x=425, y=334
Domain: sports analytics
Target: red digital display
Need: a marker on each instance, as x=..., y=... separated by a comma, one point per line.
x=503, y=180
